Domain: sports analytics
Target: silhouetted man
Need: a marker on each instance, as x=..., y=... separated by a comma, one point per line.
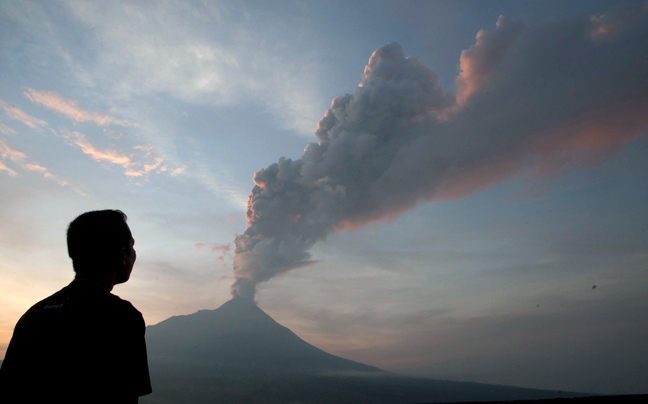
x=82, y=344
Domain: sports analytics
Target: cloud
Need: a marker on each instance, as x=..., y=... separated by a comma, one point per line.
x=79, y=139
x=19, y=115
x=220, y=249
x=219, y=182
x=216, y=54
x=6, y=130
x=214, y=247
x=478, y=63
x=35, y=167
x=70, y=108
x=7, y=152
x=19, y=158
x=7, y=169
x=608, y=26
x=155, y=163
x=533, y=101
x=134, y=165
x=47, y=174
x=177, y=171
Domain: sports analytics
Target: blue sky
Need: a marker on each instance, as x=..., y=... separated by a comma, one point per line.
x=512, y=250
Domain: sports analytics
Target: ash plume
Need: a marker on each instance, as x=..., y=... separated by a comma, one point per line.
x=531, y=101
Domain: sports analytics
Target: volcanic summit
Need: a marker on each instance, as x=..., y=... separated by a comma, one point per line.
x=239, y=354
x=239, y=336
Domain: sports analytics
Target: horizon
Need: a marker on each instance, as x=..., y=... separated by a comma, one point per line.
x=453, y=189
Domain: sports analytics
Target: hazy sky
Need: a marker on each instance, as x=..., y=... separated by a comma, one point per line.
x=492, y=226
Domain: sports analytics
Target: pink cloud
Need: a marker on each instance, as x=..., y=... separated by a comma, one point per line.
x=6, y=130
x=79, y=139
x=221, y=262
x=36, y=167
x=7, y=152
x=590, y=138
x=17, y=157
x=214, y=247
x=49, y=175
x=608, y=26
x=217, y=248
x=70, y=108
x=155, y=161
x=177, y=171
x=134, y=165
x=478, y=63
x=133, y=173
x=222, y=248
x=19, y=115
x=132, y=168
x=7, y=169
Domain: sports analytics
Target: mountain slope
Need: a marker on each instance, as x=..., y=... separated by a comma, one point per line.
x=239, y=354
x=239, y=336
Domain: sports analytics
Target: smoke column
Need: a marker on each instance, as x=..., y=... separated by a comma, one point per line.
x=531, y=101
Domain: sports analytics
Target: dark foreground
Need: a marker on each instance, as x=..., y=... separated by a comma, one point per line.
x=635, y=398
x=195, y=387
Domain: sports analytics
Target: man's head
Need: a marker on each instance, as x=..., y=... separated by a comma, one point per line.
x=100, y=242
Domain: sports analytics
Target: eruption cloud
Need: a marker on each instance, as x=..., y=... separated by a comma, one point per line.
x=531, y=101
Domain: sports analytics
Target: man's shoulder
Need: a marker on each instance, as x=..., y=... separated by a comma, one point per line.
x=78, y=299
x=52, y=303
x=124, y=305
x=111, y=305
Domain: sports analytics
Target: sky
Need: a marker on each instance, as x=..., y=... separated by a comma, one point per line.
x=447, y=189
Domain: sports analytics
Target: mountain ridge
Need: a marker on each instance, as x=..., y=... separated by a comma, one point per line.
x=238, y=354
x=241, y=336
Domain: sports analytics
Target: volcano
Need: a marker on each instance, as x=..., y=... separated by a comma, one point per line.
x=239, y=336
x=239, y=354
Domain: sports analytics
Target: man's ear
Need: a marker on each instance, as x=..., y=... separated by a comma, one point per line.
x=123, y=255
